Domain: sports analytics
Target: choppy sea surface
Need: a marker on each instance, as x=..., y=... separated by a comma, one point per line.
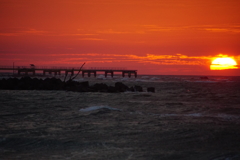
x=188, y=117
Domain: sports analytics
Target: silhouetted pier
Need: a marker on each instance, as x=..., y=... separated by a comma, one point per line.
x=32, y=70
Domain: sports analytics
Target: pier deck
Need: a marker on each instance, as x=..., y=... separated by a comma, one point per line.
x=30, y=70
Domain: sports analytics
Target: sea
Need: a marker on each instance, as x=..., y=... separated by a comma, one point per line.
x=187, y=118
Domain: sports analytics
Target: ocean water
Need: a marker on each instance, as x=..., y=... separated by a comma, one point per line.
x=188, y=117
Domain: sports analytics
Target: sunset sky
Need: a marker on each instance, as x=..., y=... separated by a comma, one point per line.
x=152, y=36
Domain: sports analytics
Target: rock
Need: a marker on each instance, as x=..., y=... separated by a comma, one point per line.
x=47, y=84
x=84, y=84
x=82, y=87
x=25, y=83
x=11, y=83
x=112, y=89
x=3, y=83
x=151, y=89
x=121, y=87
x=57, y=84
x=100, y=87
x=138, y=88
x=79, y=86
x=131, y=89
x=71, y=83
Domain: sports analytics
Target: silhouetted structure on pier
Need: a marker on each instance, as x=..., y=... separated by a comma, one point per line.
x=23, y=70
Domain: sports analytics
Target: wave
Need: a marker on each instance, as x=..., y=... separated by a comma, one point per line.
x=93, y=108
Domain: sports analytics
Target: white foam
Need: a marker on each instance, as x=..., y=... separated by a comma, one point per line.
x=101, y=77
x=227, y=116
x=125, y=79
x=93, y=108
x=166, y=115
x=200, y=81
x=115, y=77
x=193, y=115
x=79, y=79
x=145, y=77
x=154, y=78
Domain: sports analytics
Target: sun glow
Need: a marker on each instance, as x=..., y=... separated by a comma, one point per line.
x=223, y=63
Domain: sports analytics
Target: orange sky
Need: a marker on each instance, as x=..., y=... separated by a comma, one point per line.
x=152, y=36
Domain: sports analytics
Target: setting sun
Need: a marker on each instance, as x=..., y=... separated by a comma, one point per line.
x=223, y=63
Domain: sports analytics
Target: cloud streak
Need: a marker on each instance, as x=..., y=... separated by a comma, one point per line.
x=91, y=39
x=21, y=32
x=235, y=28
x=100, y=35
x=177, y=59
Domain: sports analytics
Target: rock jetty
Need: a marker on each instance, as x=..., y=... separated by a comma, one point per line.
x=28, y=83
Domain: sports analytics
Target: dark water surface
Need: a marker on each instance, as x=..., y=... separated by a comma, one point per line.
x=184, y=119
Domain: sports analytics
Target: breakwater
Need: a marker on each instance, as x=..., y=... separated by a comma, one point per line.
x=28, y=83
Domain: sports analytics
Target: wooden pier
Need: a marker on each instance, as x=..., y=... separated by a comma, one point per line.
x=32, y=70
